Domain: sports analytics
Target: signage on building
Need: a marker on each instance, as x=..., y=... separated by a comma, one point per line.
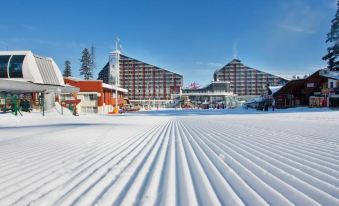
x=324, y=91
x=317, y=93
x=310, y=85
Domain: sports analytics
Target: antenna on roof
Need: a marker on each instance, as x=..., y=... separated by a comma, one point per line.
x=93, y=57
x=235, y=50
x=118, y=47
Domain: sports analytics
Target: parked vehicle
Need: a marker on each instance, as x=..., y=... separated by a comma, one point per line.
x=259, y=103
x=130, y=108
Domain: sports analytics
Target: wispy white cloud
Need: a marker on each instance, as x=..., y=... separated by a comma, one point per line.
x=46, y=42
x=235, y=49
x=295, y=21
x=210, y=64
x=333, y=4
x=3, y=45
x=287, y=73
x=298, y=29
x=27, y=27
x=51, y=43
x=300, y=17
x=74, y=44
x=17, y=40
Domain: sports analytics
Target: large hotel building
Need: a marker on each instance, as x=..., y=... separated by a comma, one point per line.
x=145, y=81
x=245, y=80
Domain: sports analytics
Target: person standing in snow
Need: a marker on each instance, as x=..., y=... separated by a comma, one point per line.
x=273, y=105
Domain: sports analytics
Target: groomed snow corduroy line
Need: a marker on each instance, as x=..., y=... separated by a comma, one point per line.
x=175, y=159
x=89, y=170
x=282, y=172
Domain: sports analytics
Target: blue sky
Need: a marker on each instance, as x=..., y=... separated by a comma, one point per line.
x=193, y=38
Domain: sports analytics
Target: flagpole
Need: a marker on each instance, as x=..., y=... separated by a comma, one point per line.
x=117, y=53
x=110, y=76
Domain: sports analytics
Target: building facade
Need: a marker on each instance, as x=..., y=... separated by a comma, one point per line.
x=320, y=89
x=29, y=67
x=245, y=80
x=291, y=94
x=145, y=81
x=31, y=78
x=215, y=92
x=94, y=96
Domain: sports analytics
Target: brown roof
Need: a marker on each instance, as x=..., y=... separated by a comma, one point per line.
x=293, y=86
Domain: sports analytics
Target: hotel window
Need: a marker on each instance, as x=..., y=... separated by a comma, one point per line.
x=3, y=66
x=15, y=66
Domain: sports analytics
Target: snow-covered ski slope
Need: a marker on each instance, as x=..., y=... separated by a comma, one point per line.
x=171, y=158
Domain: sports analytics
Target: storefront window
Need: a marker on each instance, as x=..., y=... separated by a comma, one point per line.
x=93, y=97
x=90, y=97
x=15, y=66
x=3, y=66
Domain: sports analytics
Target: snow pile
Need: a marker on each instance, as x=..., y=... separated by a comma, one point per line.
x=62, y=110
x=254, y=100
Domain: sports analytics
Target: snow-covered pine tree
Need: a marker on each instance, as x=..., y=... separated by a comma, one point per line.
x=68, y=69
x=86, y=69
x=333, y=37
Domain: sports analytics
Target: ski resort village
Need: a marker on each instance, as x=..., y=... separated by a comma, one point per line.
x=169, y=103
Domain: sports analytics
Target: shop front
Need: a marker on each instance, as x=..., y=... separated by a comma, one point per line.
x=319, y=99
x=334, y=97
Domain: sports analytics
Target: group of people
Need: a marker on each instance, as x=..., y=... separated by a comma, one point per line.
x=15, y=104
x=266, y=105
x=25, y=105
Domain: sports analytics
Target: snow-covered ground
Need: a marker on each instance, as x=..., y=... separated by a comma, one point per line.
x=168, y=157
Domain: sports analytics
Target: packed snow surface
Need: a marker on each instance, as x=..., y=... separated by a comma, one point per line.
x=193, y=157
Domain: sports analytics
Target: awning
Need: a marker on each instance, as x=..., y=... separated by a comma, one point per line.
x=113, y=87
x=19, y=86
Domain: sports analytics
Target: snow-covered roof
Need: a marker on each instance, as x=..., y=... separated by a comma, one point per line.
x=329, y=74
x=274, y=89
x=75, y=78
x=104, y=85
x=113, y=87
x=21, y=86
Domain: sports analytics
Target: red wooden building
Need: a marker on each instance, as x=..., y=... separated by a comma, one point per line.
x=95, y=96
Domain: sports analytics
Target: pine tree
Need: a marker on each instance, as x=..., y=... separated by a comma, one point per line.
x=68, y=69
x=86, y=69
x=333, y=37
